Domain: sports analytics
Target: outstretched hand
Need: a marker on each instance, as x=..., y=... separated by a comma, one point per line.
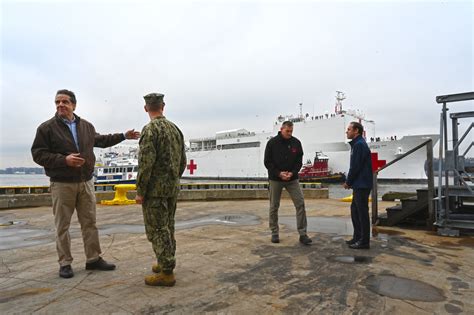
x=132, y=134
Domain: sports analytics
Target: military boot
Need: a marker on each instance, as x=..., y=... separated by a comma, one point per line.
x=156, y=268
x=162, y=279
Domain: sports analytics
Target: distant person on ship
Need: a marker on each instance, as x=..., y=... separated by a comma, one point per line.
x=283, y=160
x=64, y=147
x=359, y=179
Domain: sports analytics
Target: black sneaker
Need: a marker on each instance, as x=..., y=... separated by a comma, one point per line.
x=66, y=271
x=304, y=239
x=275, y=239
x=100, y=264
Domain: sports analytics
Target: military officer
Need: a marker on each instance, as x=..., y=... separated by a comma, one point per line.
x=161, y=161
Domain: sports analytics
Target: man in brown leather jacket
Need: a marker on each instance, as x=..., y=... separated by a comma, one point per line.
x=64, y=147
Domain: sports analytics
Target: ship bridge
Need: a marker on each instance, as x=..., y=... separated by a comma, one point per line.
x=234, y=133
x=224, y=140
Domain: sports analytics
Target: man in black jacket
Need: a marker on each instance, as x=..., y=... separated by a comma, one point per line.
x=359, y=179
x=64, y=147
x=283, y=160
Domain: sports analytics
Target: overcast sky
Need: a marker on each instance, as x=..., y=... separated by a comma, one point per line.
x=233, y=65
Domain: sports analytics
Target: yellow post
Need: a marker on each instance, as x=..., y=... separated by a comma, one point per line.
x=120, y=197
x=349, y=199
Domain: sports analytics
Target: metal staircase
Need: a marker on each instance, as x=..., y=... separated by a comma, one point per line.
x=454, y=204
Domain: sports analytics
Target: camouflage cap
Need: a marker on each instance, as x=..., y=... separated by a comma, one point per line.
x=154, y=98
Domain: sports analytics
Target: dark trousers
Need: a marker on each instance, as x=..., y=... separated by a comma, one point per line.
x=360, y=215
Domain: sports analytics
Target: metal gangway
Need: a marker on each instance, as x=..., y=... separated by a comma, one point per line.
x=454, y=203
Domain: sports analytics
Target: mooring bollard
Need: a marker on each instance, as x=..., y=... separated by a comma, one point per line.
x=120, y=197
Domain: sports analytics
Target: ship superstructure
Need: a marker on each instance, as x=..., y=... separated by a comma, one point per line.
x=238, y=153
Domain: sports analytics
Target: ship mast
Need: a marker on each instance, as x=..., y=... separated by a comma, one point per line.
x=340, y=96
x=301, y=110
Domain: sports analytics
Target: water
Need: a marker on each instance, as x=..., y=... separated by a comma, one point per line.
x=403, y=288
x=336, y=191
x=15, y=234
x=326, y=225
x=24, y=180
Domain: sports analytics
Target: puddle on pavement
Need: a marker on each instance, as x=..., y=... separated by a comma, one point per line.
x=377, y=230
x=22, y=237
x=403, y=288
x=230, y=219
x=15, y=237
x=340, y=226
x=351, y=259
x=326, y=225
x=7, y=221
x=108, y=229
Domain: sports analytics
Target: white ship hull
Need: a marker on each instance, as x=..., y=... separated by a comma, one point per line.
x=326, y=135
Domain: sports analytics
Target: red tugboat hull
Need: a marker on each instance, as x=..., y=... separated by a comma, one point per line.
x=318, y=171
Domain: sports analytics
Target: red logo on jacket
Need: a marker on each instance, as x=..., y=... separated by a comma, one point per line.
x=294, y=150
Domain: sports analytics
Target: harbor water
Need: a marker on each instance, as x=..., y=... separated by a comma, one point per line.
x=24, y=180
x=336, y=191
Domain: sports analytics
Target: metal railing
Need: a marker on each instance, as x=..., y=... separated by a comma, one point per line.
x=429, y=157
x=452, y=159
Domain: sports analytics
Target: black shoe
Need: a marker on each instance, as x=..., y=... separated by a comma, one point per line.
x=360, y=245
x=100, y=264
x=351, y=241
x=304, y=239
x=66, y=271
x=275, y=239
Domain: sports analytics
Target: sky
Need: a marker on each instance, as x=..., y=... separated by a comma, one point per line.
x=231, y=64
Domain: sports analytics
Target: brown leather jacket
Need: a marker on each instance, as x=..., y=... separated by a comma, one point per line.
x=54, y=141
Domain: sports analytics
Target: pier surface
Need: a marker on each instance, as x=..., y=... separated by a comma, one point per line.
x=226, y=264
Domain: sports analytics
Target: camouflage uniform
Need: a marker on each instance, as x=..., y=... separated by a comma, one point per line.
x=162, y=161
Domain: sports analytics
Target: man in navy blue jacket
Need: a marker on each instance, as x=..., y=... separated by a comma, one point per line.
x=359, y=179
x=283, y=160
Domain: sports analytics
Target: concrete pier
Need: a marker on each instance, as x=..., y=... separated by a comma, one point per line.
x=208, y=194
x=226, y=264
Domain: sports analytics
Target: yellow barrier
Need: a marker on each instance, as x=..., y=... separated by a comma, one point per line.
x=120, y=197
x=349, y=199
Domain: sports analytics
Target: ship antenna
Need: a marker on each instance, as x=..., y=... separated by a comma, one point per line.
x=301, y=110
x=340, y=96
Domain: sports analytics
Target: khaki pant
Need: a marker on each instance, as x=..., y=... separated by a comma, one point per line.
x=67, y=197
x=294, y=190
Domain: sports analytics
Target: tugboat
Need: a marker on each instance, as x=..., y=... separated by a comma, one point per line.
x=319, y=171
